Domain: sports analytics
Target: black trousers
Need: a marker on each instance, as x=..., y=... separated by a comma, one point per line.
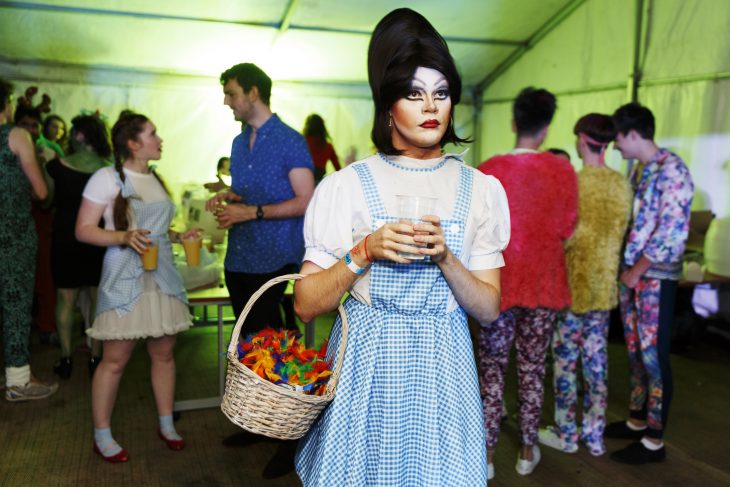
x=266, y=311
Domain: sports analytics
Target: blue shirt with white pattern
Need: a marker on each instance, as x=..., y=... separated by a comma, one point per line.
x=261, y=177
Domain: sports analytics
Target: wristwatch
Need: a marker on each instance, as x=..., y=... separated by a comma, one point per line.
x=259, y=212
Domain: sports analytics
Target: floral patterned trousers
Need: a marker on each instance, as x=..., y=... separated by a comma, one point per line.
x=581, y=336
x=530, y=329
x=647, y=312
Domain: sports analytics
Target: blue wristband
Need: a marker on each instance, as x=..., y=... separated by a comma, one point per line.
x=352, y=265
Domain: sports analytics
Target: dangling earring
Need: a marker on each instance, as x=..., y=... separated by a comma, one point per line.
x=390, y=120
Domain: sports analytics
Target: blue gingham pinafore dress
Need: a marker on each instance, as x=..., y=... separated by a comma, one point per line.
x=120, y=286
x=407, y=411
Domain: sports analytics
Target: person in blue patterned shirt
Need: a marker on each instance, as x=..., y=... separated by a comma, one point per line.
x=272, y=183
x=652, y=265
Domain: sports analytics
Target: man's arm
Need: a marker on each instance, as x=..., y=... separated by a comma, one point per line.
x=302, y=182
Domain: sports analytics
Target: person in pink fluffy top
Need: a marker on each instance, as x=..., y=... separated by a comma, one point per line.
x=542, y=192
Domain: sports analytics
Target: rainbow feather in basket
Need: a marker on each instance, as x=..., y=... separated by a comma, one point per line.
x=279, y=357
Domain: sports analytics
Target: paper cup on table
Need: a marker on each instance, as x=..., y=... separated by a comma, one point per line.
x=411, y=210
x=192, y=247
x=149, y=257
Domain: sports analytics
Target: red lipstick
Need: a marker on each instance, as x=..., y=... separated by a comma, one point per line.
x=430, y=124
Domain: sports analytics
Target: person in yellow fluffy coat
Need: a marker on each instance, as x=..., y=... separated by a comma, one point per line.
x=592, y=258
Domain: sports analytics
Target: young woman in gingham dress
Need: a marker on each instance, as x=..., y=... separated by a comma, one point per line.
x=133, y=303
x=407, y=410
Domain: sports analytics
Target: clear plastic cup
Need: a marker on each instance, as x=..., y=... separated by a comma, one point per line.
x=192, y=247
x=411, y=210
x=149, y=257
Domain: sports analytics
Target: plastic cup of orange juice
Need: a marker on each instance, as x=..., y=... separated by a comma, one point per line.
x=149, y=257
x=192, y=247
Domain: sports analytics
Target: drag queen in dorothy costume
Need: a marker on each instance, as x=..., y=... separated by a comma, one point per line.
x=407, y=411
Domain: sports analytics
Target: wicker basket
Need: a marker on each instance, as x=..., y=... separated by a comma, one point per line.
x=264, y=408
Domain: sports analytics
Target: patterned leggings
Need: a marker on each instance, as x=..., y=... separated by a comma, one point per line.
x=647, y=312
x=17, y=268
x=583, y=336
x=530, y=329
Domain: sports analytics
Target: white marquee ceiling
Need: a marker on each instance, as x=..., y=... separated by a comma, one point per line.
x=294, y=40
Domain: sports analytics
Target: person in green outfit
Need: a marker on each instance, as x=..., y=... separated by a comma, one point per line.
x=20, y=180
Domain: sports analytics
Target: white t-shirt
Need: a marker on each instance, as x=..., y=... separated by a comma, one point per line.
x=103, y=189
x=338, y=215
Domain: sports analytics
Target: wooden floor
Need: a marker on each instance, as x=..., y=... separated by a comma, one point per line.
x=50, y=442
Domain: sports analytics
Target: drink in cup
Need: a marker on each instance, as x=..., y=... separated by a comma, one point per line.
x=411, y=210
x=192, y=247
x=149, y=257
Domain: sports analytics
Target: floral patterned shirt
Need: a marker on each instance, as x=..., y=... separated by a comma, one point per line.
x=663, y=193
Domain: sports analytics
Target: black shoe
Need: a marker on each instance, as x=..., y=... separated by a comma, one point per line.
x=63, y=367
x=637, y=454
x=283, y=462
x=243, y=438
x=621, y=431
x=93, y=364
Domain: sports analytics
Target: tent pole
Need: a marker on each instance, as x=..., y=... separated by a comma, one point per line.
x=535, y=38
x=288, y=14
x=477, y=107
x=643, y=13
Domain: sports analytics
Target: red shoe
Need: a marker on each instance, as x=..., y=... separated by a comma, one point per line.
x=119, y=457
x=176, y=445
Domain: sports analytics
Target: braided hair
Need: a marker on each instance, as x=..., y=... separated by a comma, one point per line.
x=127, y=128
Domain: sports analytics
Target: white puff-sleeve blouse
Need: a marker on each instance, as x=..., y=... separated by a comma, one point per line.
x=338, y=217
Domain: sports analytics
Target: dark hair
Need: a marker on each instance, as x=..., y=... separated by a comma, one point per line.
x=598, y=127
x=249, y=75
x=95, y=133
x=47, y=122
x=634, y=116
x=402, y=42
x=63, y=141
x=533, y=110
x=6, y=89
x=220, y=162
x=559, y=152
x=127, y=128
x=314, y=127
x=22, y=111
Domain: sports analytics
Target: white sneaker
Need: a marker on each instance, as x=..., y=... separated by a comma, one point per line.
x=31, y=391
x=525, y=467
x=490, y=471
x=551, y=437
x=595, y=448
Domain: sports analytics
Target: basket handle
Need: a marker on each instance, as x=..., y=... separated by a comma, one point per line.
x=232, y=346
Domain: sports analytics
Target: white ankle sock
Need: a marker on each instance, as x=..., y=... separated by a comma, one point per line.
x=649, y=445
x=167, y=428
x=105, y=442
x=17, y=376
x=632, y=427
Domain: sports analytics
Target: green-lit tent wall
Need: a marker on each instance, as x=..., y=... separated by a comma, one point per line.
x=163, y=59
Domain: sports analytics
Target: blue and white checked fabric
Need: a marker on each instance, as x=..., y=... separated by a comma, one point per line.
x=120, y=286
x=407, y=410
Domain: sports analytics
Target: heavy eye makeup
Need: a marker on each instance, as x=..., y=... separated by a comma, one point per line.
x=415, y=93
